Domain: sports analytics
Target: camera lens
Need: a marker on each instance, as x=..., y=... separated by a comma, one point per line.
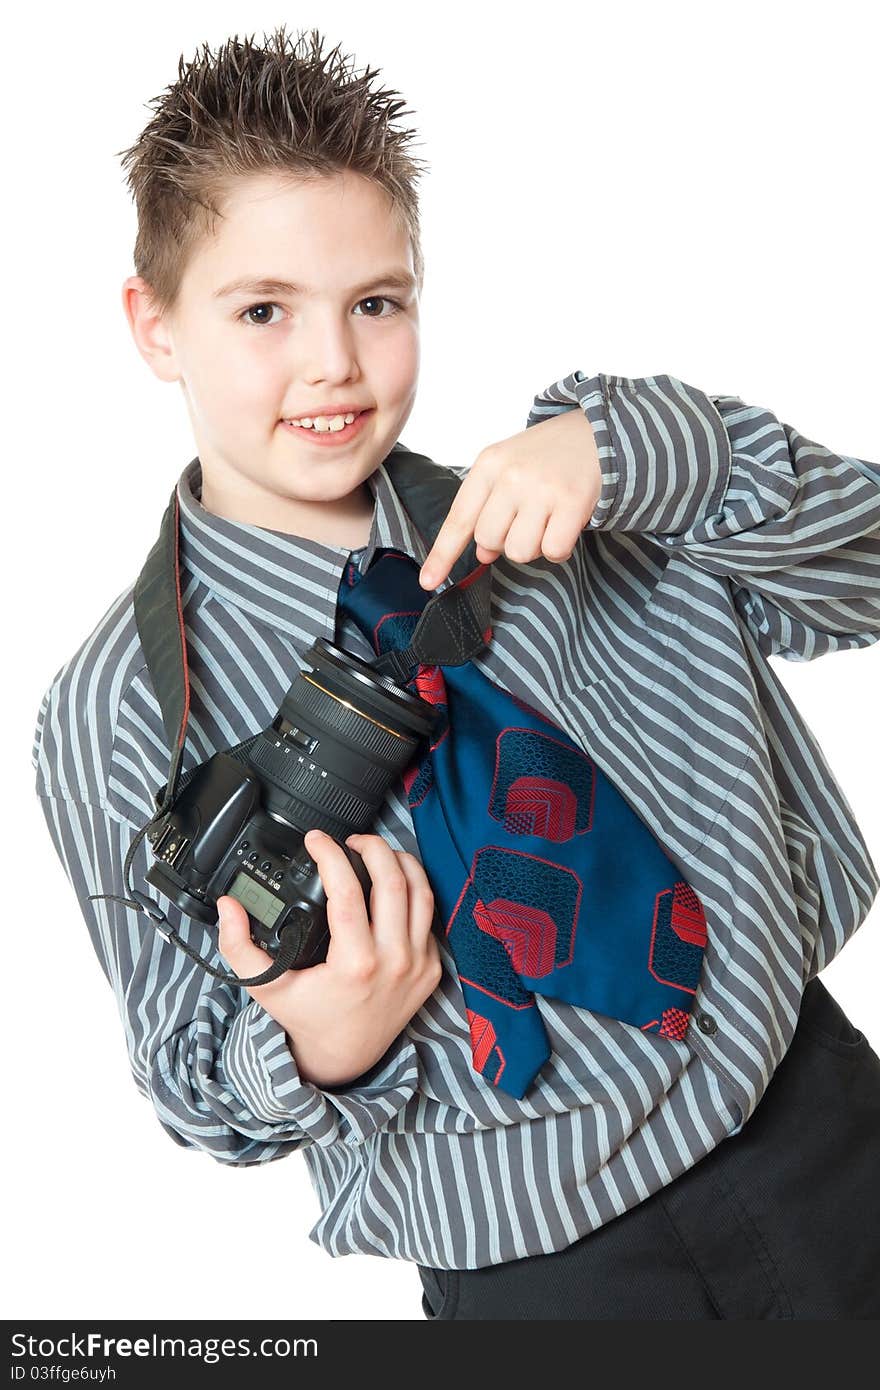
x=343, y=734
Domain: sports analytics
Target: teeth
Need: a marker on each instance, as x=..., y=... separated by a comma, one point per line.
x=325, y=424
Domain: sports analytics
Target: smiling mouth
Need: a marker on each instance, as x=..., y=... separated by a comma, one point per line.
x=328, y=436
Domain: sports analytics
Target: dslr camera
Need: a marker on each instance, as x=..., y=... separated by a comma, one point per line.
x=343, y=734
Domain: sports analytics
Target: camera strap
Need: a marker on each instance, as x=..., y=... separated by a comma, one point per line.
x=450, y=631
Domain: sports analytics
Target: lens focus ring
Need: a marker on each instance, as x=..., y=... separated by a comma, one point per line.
x=350, y=726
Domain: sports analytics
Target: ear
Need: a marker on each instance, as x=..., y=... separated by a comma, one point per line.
x=150, y=330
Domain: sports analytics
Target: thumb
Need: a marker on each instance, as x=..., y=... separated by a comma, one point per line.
x=235, y=943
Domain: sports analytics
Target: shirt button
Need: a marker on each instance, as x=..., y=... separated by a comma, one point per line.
x=706, y=1023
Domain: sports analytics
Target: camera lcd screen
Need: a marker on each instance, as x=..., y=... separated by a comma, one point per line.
x=256, y=899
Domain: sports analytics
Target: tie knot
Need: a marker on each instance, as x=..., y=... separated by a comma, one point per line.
x=396, y=614
x=387, y=601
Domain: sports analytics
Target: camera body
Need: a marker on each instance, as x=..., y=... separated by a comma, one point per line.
x=217, y=839
x=343, y=734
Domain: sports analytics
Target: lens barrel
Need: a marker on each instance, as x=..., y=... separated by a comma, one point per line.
x=343, y=734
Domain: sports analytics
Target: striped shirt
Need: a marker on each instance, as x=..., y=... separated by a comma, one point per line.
x=721, y=537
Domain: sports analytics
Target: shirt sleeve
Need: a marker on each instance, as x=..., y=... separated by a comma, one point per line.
x=214, y=1064
x=793, y=527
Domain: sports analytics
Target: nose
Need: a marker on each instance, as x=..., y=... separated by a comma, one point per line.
x=326, y=349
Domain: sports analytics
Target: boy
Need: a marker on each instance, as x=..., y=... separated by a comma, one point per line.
x=648, y=1172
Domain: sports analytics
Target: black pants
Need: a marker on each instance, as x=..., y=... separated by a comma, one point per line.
x=781, y=1221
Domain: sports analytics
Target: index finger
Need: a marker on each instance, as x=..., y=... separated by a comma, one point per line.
x=346, y=905
x=457, y=529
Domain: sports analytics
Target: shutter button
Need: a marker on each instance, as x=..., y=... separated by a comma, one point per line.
x=706, y=1023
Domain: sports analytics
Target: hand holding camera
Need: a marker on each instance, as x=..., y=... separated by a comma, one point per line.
x=237, y=823
x=342, y=1014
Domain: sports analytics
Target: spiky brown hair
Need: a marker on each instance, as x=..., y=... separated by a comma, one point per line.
x=247, y=109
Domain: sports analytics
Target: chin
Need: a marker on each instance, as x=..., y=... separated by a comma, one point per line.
x=342, y=483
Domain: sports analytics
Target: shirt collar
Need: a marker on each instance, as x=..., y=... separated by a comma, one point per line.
x=277, y=577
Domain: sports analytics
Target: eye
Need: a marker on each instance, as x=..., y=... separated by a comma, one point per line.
x=253, y=308
x=263, y=322
x=380, y=299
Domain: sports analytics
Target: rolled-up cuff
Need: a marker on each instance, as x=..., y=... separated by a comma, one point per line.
x=664, y=452
x=261, y=1067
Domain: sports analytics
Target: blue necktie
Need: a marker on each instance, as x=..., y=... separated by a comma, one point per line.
x=545, y=880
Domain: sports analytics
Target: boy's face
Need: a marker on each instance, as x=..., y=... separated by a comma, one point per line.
x=250, y=359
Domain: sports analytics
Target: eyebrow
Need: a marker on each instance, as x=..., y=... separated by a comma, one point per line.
x=398, y=279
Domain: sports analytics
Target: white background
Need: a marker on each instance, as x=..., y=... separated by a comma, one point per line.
x=631, y=189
